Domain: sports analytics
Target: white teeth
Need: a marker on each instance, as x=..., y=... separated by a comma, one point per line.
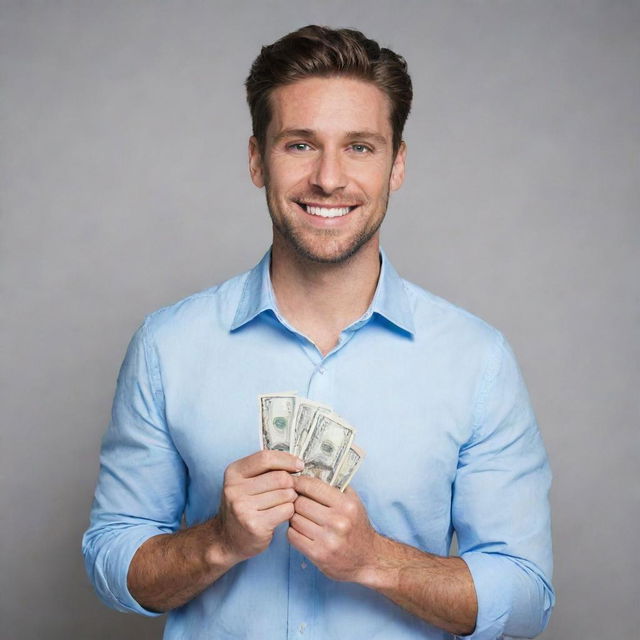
x=325, y=212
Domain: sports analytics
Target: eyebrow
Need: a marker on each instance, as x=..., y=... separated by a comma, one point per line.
x=350, y=135
x=294, y=133
x=367, y=135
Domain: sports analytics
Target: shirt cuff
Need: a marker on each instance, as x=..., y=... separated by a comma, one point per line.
x=492, y=593
x=112, y=567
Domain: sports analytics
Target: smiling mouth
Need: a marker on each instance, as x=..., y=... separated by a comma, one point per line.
x=325, y=212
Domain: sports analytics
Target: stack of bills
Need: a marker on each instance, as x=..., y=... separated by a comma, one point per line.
x=312, y=432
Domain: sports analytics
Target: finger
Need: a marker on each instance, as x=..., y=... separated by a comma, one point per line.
x=317, y=490
x=264, y=501
x=312, y=510
x=306, y=527
x=300, y=542
x=263, y=461
x=269, y=481
x=277, y=515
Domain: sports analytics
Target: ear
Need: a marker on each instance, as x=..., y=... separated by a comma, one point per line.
x=255, y=163
x=397, y=170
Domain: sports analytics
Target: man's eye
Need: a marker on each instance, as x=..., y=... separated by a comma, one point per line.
x=299, y=146
x=360, y=148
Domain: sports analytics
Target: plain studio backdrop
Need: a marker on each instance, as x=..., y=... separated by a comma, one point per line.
x=124, y=187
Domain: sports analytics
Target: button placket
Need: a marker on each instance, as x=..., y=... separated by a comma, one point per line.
x=319, y=386
x=302, y=596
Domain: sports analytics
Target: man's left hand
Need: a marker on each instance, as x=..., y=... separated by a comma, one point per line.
x=332, y=529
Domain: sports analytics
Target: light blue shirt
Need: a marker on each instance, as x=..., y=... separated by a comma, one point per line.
x=439, y=406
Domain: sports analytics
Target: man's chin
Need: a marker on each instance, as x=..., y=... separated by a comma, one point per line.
x=328, y=246
x=336, y=254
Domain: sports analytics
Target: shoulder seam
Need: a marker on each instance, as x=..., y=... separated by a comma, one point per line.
x=489, y=375
x=416, y=291
x=153, y=371
x=207, y=293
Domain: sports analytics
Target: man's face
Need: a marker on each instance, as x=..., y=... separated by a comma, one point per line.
x=328, y=166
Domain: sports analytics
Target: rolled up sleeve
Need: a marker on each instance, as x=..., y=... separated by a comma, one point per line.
x=140, y=491
x=500, y=506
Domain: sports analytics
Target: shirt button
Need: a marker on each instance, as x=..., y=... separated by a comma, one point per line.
x=303, y=564
x=302, y=627
x=321, y=370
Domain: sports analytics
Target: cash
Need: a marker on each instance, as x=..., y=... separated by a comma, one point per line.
x=313, y=432
x=276, y=415
x=326, y=446
x=306, y=411
x=348, y=467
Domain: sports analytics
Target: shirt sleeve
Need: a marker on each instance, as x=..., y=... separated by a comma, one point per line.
x=141, y=484
x=500, y=506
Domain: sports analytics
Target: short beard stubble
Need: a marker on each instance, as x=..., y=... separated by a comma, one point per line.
x=296, y=241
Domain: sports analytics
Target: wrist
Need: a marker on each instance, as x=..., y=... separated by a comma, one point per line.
x=219, y=554
x=378, y=571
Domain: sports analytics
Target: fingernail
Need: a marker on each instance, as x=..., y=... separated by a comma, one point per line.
x=299, y=465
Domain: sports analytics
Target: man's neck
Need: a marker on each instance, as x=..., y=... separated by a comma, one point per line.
x=320, y=299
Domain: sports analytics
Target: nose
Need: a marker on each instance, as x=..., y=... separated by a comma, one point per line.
x=329, y=171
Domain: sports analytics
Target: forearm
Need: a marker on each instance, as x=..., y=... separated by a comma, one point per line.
x=437, y=589
x=169, y=570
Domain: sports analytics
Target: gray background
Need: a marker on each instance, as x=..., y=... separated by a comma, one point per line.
x=124, y=187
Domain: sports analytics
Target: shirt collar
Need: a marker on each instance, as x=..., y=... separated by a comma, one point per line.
x=257, y=294
x=390, y=300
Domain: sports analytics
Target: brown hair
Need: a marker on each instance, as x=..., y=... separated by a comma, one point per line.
x=321, y=51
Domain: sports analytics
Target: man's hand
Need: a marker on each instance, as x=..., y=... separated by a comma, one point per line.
x=331, y=529
x=170, y=569
x=257, y=496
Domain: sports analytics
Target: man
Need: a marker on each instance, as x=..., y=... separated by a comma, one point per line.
x=435, y=394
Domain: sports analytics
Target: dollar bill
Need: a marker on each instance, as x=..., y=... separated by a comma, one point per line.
x=348, y=466
x=306, y=411
x=277, y=411
x=314, y=433
x=329, y=440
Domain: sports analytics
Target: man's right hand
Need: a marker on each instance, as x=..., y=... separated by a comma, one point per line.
x=170, y=569
x=257, y=496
